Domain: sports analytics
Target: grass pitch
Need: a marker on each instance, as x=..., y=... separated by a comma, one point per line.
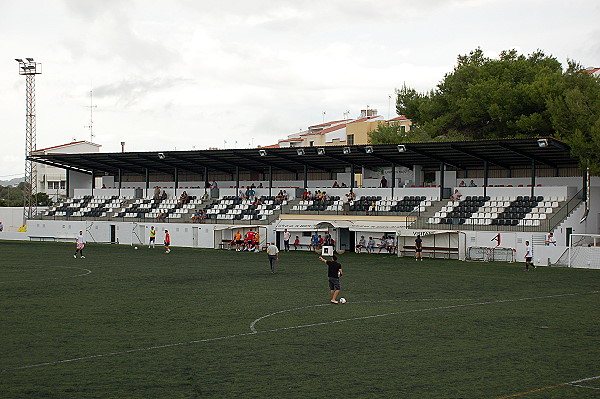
x=143, y=324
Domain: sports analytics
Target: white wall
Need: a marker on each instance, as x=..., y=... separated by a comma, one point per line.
x=11, y=218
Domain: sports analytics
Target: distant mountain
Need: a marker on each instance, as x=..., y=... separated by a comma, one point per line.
x=11, y=182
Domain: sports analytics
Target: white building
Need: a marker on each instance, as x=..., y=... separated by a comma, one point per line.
x=52, y=180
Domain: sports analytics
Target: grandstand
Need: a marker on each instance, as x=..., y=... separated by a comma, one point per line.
x=523, y=190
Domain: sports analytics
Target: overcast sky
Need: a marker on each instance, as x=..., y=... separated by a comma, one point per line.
x=191, y=74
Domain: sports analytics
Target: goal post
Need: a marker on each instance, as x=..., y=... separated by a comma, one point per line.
x=584, y=251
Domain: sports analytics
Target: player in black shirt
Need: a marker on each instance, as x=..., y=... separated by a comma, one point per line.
x=418, y=248
x=334, y=273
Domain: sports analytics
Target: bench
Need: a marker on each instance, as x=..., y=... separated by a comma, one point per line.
x=431, y=251
x=49, y=238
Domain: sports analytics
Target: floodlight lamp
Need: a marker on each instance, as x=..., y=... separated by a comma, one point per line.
x=263, y=153
x=18, y=60
x=542, y=143
x=401, y=148
x=29, y=59
x=369, y=149
x=300, y=151
x=320, y=151
x=161, y=155
x=346, y=150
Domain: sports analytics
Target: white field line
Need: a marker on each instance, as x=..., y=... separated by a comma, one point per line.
x=571, y=383
x=288, y=328
x=87, y=271
x=253, y=324
x=576, y=383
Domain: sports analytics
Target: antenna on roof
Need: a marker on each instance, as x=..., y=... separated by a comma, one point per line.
x=323, y=116
x=91, y=125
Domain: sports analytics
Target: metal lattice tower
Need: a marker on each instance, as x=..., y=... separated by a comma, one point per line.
x=29, y=68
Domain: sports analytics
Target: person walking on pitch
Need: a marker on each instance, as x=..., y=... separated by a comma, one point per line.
x=528, y=256
x=79, y=244
x=152, y=237
x=334, y=273
x=273, y=255
x=167, y=241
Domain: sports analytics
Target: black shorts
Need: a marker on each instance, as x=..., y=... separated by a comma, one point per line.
x=152, y=239
x=334, y=283
x=528, y=259
x=239, y=242
x=419, y=250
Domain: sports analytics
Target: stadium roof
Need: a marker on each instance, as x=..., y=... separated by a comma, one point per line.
x=499, y=154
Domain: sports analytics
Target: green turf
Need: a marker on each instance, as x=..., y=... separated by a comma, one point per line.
x=423, y=340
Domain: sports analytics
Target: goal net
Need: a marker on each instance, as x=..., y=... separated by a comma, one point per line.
x=481, y=254
x=583, y=252
x=500, y=254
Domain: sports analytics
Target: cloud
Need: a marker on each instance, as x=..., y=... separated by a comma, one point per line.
x=131, y=91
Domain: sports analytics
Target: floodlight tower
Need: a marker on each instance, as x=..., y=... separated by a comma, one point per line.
x=29, y=68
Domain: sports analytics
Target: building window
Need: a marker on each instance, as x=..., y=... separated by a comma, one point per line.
x=311, y=143
x=350, y=139
x=63, y=184
x=402, y=129
x=53, y=185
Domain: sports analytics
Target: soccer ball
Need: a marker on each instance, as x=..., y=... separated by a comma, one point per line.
x=342, y=300
x=135, y=248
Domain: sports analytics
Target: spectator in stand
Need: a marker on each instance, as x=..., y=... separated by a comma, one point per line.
x=241, y=194
x=352, y=195
x=279, y=196
x=462, y=184
x=305, y=195
x=344, y=185
x=259, y=185
x=472, y=184
x=205, y=195
x=551, y=240
x=286, y=196
x=346, y=204
x=214, y=184
x=156, y=192
x=335, y=184
x=251, y=193
x=161, y=217
x=362, y=244
x=184, y=198
x=383, y=183
x=196, y=216
x=456, y=196
x=163, y=196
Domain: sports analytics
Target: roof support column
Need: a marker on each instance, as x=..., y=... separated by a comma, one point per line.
x=305, y=177
x=442, y=173
x=270, y=179
x=237, y=179
x=206, y=182
x=93, y=180
x=68, y=184
x=176, y=178
x=485, y=177
x=120, y=181
x=147, y=180
x=393, y=178
x=351, y=176
x=532, y=177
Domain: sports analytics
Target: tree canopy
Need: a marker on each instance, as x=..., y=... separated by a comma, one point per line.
x=513, y=96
